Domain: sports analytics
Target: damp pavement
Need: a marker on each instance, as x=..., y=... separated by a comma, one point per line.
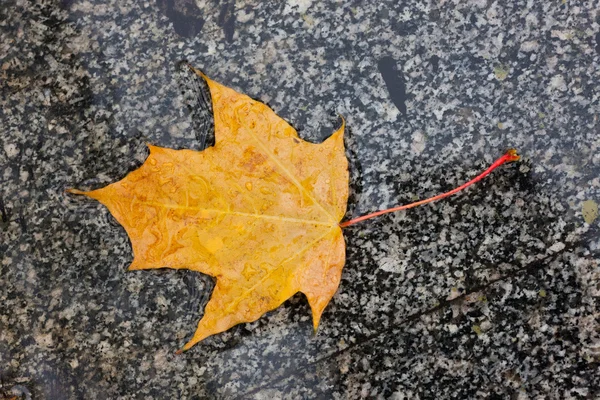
x=493, y=293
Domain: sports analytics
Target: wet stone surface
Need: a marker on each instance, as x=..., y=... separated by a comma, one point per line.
x=494, y=293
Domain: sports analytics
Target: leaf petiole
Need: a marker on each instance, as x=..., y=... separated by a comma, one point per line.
x=509, y=156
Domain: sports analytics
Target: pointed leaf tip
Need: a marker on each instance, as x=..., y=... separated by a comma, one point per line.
x=150, y=146
x=198, y=72
x=188, y=345
x=75, y=191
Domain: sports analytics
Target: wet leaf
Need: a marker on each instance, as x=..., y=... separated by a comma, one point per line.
x=259, y=211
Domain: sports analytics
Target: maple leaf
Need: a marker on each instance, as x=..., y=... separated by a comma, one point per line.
x=259, y=211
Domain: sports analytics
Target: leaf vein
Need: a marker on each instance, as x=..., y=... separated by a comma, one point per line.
x=239, y=213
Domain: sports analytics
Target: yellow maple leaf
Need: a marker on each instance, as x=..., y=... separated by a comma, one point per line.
x=259, y=211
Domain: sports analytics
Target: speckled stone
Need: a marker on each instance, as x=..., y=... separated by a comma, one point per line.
x=494, y=293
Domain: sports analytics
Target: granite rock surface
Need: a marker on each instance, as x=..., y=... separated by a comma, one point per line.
x=494, y=293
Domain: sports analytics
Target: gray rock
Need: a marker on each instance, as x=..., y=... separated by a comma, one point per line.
x=492, y=293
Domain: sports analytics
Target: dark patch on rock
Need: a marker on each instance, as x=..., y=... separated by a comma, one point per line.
x=186, y=17
x=226, y=20
x=197, y=98
x=394, y=81
x=3, y=212
x=434, y=61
